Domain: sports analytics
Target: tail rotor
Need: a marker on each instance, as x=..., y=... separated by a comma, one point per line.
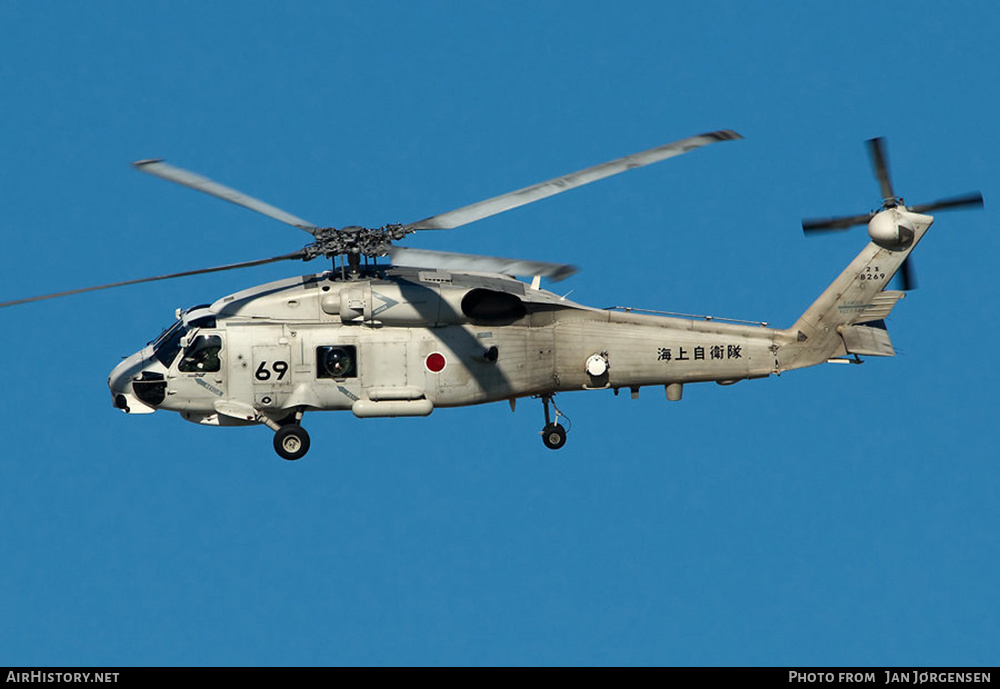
x=885, y=223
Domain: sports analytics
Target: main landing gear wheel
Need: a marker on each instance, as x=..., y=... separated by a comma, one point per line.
x=554, y=436
x=291, y=442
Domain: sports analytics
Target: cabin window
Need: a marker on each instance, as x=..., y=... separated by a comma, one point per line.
x=337, y=361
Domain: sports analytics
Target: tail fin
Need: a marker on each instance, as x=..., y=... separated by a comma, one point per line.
x=857, y=296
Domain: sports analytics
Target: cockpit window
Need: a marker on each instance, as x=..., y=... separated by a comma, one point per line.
x=203, y=322
x=165, y=333
x=167, y=345
x=202, y=355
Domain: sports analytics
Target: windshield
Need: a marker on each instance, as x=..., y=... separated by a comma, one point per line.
x=164, y=333
x=167, y=345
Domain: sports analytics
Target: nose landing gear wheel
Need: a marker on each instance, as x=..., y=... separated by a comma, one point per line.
x=554, y=436
x=291, y=442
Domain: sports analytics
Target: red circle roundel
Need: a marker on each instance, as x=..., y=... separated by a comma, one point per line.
x=435, y=362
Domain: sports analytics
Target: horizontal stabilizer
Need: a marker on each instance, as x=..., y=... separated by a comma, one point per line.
x=869, y=339
x=879, y=307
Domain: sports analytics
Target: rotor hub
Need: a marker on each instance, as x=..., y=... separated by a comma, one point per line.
x=354, y=240
x=887, y=229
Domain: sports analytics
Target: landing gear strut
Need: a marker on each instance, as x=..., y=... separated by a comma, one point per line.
x=553, y=435
x=291, y=441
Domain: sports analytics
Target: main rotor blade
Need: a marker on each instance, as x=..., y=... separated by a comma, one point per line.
x=827, y=224
x=170, y=173
x=876, y=149
x=971, y=199
x=445, y=260
x=514, y=199
x=231, y=266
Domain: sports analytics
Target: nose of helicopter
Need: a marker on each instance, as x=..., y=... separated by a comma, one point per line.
x=123, y=392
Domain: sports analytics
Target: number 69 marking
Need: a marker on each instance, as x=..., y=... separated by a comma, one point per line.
x=279, y=367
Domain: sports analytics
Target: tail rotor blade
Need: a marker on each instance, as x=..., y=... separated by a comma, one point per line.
x=831, y=224
x=907, y=278
x=972, y=200
x=876, y=150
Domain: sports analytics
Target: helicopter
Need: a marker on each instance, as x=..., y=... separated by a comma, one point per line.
x=432, y=329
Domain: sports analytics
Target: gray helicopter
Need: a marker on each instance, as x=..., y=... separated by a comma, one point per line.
x=436, y=329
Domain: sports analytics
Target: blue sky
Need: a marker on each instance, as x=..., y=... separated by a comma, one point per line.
x=841, y=515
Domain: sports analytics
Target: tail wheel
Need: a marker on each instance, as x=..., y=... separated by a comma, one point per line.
x=554, y=436
x=291, y=442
